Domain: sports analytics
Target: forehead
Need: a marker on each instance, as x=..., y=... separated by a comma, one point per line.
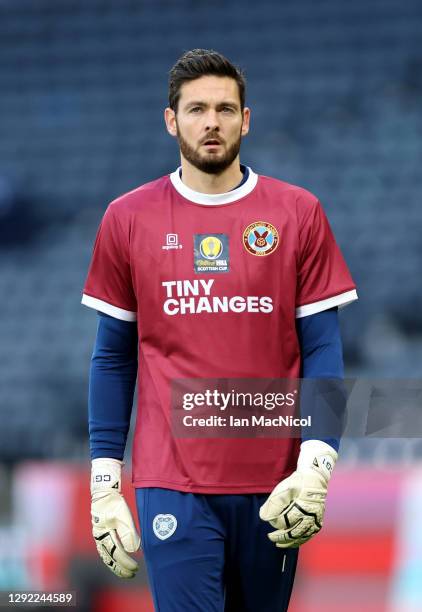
x=210, y=89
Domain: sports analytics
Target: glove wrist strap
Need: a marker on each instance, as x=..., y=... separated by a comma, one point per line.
x=106, y=474
x=317, y=455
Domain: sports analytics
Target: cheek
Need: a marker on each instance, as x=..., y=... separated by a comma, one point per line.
x=235, y=130
x=234, y=124
x=188, y=131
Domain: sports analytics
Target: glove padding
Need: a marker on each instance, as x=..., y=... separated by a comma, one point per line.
x=295, y=508
x=112, y=523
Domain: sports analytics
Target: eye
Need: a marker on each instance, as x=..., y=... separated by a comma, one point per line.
x=195, y=109
x=227, y=109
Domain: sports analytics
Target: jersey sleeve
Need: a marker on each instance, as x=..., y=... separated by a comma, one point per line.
x=108, y=287
x=324, y=280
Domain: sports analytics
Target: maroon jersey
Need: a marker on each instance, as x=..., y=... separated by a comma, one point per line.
x=215, y=283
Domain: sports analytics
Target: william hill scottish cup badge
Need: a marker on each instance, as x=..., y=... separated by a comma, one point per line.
x=164, y=525
x=260, y=238
x=211, y=253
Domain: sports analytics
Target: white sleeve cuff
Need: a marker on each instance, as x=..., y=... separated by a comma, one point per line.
x=341, y=300
x=109, y=309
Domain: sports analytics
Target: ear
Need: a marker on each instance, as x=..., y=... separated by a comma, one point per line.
x=170, y=119
x=246, y=120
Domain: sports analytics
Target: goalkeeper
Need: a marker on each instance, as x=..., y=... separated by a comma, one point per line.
x=210, y=272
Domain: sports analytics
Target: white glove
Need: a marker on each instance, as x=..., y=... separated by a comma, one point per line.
x=296, y=506
x=112, y=523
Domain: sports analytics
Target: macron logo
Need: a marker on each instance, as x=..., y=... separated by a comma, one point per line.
x=172, y=242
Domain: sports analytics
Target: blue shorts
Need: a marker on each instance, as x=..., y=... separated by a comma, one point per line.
x=210, y=553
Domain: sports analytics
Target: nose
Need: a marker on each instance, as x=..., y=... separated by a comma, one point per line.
x=211, y=121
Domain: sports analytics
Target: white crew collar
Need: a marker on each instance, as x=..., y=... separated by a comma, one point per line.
x=213, y=199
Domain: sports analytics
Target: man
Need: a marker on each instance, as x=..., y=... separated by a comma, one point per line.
x=204, y=274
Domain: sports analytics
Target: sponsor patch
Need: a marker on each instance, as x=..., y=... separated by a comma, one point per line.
x=211, y=253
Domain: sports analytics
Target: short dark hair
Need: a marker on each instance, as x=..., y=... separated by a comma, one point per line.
x=202, y=62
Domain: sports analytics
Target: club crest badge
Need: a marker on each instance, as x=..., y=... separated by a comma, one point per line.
x=164, y=525
x=260, y=238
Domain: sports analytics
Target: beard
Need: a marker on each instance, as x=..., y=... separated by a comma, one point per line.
x=210, y=163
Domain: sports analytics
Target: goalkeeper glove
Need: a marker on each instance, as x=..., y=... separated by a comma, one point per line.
x=112, y=523
x=295, y=508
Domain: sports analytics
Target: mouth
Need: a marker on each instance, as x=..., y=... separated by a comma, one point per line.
x=211, y=144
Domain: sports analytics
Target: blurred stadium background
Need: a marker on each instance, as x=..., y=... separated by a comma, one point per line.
x=336, y=93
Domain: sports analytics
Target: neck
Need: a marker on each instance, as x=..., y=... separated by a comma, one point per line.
x=211, y=183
